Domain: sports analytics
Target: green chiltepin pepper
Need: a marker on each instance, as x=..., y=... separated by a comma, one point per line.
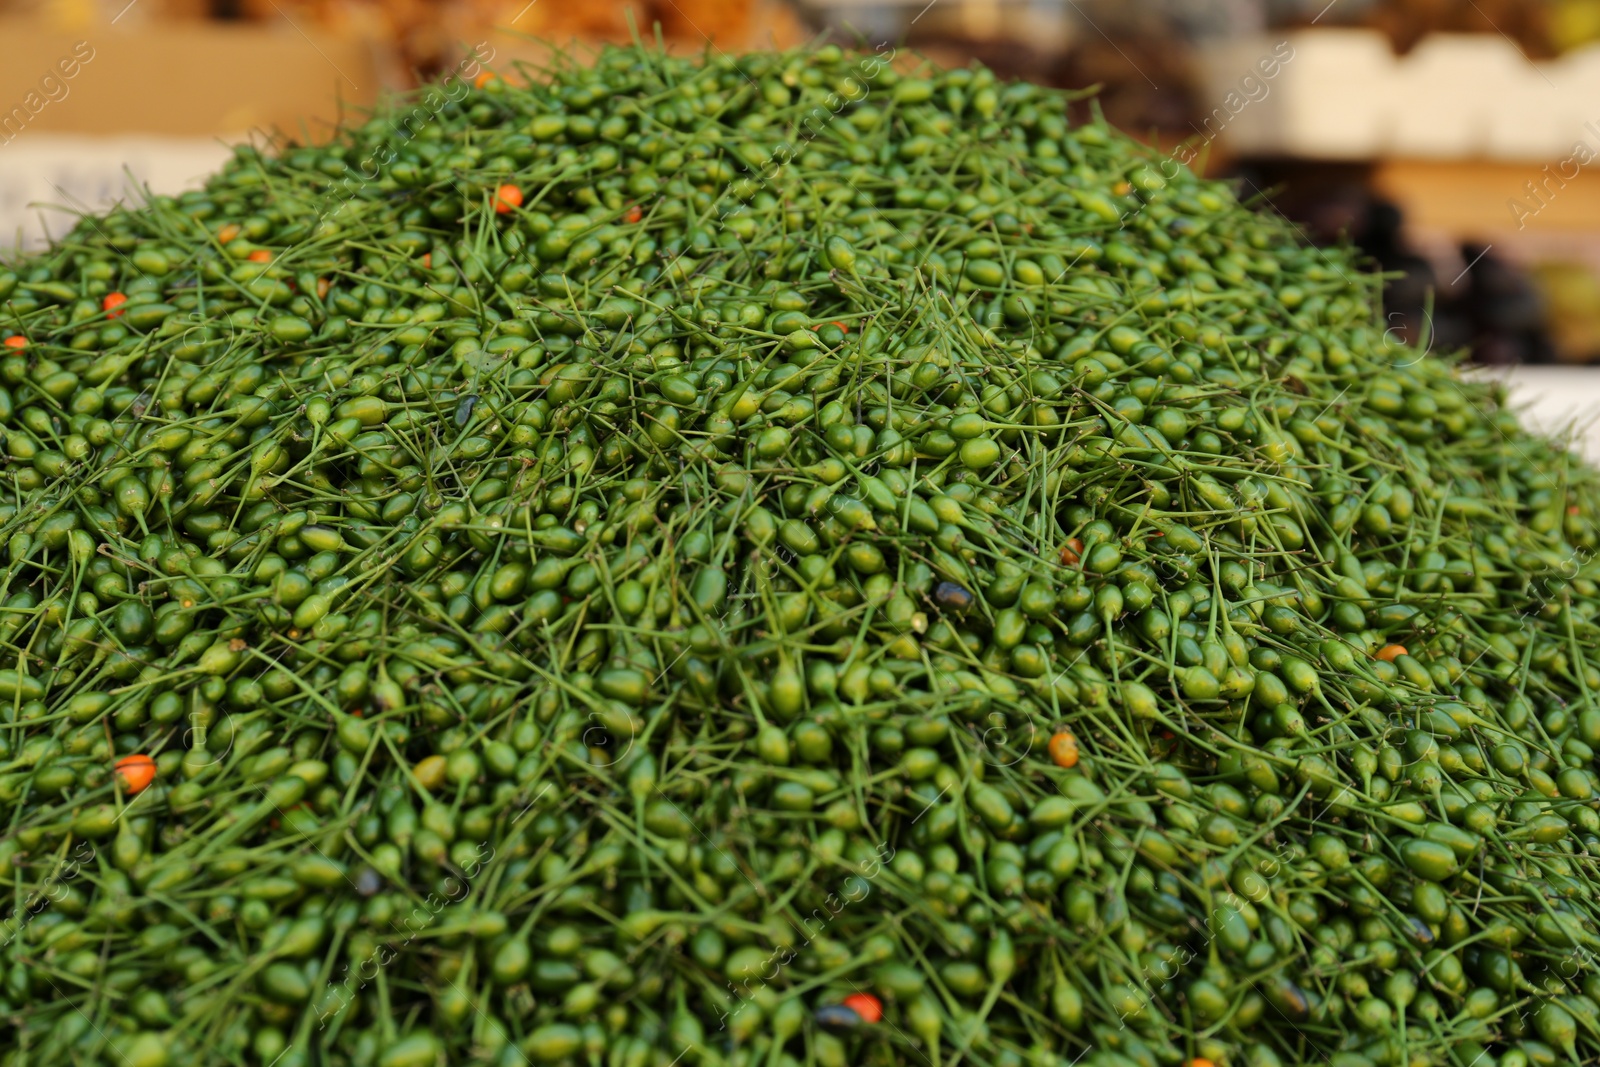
x=1015, y=549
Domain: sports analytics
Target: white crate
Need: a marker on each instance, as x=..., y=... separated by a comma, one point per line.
x=1577, y=78
x=1331, y=99
x=46, y=180
x=1344, y=95
x=1532, y=119
x=1560, y=402
x=1444, y=93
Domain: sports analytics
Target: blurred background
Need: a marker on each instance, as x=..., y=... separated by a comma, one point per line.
x=1454, y=141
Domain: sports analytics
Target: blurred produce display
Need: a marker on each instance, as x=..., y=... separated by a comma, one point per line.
x=1574, y=23
x=1170, y=72
x=428, y=35
x=429, y=32
x=1571, y=294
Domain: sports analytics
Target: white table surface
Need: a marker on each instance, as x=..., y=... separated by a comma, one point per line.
x=1556, y=401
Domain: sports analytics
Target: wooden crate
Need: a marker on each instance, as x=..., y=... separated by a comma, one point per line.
x=194, y=79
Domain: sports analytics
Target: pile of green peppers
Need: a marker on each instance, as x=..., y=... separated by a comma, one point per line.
x=773, y=560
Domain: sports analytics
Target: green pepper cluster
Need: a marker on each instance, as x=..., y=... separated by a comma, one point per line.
x=835, y=531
